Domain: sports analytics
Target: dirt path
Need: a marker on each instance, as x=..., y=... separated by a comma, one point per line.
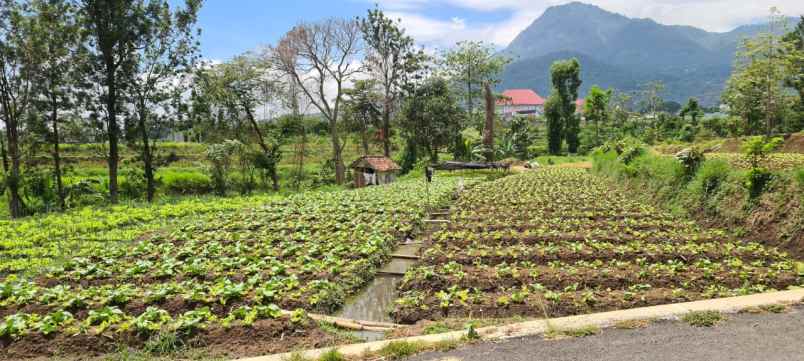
x=741, y=337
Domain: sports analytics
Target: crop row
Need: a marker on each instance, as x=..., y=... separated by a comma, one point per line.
x=564, y=242
x=308, y=251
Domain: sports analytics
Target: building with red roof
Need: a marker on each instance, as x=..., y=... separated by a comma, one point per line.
x=520, y=101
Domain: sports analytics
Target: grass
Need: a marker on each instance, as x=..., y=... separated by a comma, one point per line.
x=583, y=331
x=396, y=350
x=546, y=160
x=703, y=318
x=774, y=308
x=633, y=324
x=332, y=355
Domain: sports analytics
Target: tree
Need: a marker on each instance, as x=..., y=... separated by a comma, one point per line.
x=361, y=109
x=488, y=128
x=555, y=125
x=693, y=109
x=795, y=78
x=755, y=90
x=596, y=108
x=57, y=33
x=566, y=79
x=113, y=28
x=316, y=55
x=471, y=64
x=166, y=51
x=18, y=65
x=430, y=117
x=390, y=58
x=239, y=86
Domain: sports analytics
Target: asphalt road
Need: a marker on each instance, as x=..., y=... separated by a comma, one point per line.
x=765, y=337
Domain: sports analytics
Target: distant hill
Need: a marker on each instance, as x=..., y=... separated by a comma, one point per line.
x=624, y=53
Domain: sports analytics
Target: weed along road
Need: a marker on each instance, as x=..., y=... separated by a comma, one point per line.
x=738, y=337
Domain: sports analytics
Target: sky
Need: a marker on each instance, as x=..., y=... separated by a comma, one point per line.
x=231, y=27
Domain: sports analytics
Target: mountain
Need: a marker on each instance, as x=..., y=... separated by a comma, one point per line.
x=624, y=53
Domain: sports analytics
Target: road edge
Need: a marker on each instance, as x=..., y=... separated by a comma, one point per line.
x=531, y=328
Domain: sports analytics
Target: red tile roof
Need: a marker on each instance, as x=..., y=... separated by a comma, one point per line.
x=521, y=97
x=378, y=163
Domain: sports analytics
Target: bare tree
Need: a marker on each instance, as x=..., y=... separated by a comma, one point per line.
x=319, y=55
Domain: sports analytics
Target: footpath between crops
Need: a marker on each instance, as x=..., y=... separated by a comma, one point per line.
x=538, y=327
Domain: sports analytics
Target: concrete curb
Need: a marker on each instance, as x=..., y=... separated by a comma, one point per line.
x=604, y=319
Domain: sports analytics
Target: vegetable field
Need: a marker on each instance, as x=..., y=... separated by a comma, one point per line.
x=208, y=277
x=560, y=242
x=35, y=243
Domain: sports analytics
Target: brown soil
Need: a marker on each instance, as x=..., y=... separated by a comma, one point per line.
x=262, y=338
x=793, y=143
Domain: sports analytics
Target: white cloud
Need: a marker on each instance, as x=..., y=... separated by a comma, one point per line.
x=712, y=15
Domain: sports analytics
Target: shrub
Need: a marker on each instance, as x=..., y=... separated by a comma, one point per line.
x=186, y=182
x=132, y=182
x=709, y=177
x=691, y=159
x=755, y=181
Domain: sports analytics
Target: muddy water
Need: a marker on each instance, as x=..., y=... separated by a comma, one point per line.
x=376, y=301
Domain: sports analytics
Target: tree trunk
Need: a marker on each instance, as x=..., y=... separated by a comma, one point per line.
x=274, y=178
x=56, y=153
x=265, y=149
x=469, y=101
x=340, y=169
x=4, y=155
x=386, y=127
x=113, y=129
x=147, y=157
x=365, y=141
x=15, y=205
x=488, y=129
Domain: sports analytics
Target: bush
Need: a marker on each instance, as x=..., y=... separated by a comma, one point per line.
x=709, y=177
x=691, y=159
x=132, y=183
x=756, y=180
x=175, y=182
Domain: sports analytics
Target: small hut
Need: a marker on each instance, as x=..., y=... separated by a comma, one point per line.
x=374, y=170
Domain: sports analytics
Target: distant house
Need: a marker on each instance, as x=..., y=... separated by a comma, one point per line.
x=520, y=102
x=374, y=170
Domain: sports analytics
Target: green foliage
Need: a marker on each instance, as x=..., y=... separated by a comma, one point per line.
x=691, y=159
x=431, y=117
x=709, y=177
x=756, y=180
x=185, y=182
x=220, y=156
x=397, y=350
x=566, y=80
x=163, y=343
x=703, y=318
x=470, y=64
x=332, y=355
x=756, y=150
x=555, y=125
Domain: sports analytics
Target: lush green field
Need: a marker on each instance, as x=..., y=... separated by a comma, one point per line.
x=220, y=264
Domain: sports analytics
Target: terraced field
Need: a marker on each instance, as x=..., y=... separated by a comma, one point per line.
x=560, y=241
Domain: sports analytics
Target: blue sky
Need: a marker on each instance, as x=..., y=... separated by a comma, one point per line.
x=231, y=27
